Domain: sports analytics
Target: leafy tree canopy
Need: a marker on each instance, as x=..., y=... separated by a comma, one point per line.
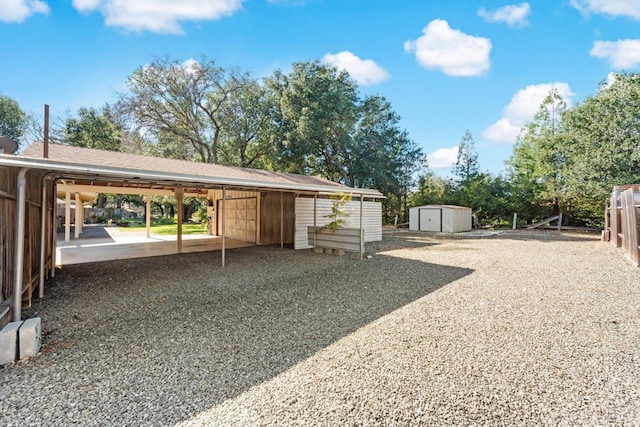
x=13, y=121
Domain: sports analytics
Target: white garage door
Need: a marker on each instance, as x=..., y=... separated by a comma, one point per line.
x=430, y=219
x=240, y=219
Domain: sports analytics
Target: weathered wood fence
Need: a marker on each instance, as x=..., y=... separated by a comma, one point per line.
x=622, y=221
x=32, y=237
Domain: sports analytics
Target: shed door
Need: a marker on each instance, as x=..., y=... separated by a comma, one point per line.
x=240, y=219
x=430, y=220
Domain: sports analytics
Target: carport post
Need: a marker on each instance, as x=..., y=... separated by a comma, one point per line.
x=147, y=216
x=54, y=227
x=43, y=236
x=18, y=261
x=179, y=193
x=78, y=221
x=67, y=217
x=361, y=226
x=224, y=203
x=315, y=214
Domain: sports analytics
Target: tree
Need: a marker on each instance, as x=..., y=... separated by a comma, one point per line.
x=466, y=168
x=314, y=111
x=603, y=144
x=184, y=104
x=13, y=121
x=248, y=138
x=323, y=127
x=539, y=162
x=93, y=129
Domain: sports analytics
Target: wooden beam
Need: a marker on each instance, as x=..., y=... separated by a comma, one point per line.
x=119, y=190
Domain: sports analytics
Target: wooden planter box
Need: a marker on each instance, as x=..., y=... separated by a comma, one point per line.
x=344, y=238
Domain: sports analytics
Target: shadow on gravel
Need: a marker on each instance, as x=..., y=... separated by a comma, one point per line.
x=155, y=341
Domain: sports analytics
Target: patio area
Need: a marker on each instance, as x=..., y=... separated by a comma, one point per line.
x=100, y=243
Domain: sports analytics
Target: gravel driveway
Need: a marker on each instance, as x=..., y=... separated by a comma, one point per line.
x=518, y=328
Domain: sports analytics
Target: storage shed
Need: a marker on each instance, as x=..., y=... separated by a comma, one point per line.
x=442, y=218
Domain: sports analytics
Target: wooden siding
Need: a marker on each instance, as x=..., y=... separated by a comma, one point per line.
x=271, y=218
x=33, y=232
x=623, y=219
x=372, y=219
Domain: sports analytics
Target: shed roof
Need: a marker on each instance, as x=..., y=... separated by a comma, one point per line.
x=90, y=166
x=441, y=207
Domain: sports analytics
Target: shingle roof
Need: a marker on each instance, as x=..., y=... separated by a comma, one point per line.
x=176, y=170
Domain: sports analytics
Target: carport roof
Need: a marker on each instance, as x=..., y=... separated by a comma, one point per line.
x=99, y=167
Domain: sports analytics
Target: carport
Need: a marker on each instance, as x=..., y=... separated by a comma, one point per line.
x=257, y=199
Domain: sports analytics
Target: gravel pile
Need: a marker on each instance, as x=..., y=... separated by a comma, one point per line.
x=511, y=329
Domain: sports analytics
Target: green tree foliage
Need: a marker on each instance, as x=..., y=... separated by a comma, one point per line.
x=539, y=162
x=13, y=121
x=248, y=137
x=602, y=137
x=466, y=168
x=323, y=127
x=315, y=112
x=567, y=160
x=93, y=129
x=186, y=106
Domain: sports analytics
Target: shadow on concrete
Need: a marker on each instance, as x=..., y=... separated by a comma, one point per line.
x=89, y=231
x=156, y=325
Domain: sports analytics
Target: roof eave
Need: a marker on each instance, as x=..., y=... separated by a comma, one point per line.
x=91, y=170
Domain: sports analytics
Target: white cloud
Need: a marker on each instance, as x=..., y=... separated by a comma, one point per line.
x=521, y=109
x=613, y=8
x=19, y=10
x=619, y=54
x=364, y=71
x=158, y=16
x=452, y=51
x=512, y=15
x=443, y=158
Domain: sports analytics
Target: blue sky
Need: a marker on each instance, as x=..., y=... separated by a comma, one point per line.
x=445, y=65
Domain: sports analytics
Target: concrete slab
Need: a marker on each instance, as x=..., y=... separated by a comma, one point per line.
x=29, y=336
x=9, y=342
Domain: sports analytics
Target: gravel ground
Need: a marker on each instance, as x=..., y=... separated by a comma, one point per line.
x=534, y=328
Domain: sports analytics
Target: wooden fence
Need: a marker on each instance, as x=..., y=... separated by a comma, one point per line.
x=32, y=237
x=622, y=221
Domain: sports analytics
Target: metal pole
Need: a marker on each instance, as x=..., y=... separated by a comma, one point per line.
x=224, y=198
x=148, y=216
x=361, y=226
x=43, y=237
x=315, y=215
x=179, y=193
x=18, y=262
x=54, y=227
x=281, y=221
